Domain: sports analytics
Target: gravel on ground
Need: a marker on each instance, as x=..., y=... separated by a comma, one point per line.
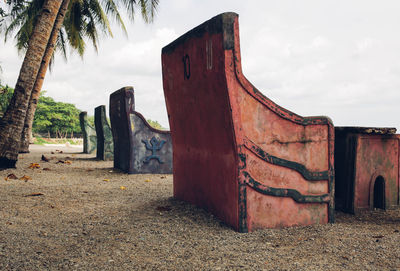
x=77, y=213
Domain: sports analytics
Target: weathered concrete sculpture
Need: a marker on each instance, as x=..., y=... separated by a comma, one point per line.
x=367, y=168
x=105, y=149
x=88, y=133
x=138, y=148
x=236, y=153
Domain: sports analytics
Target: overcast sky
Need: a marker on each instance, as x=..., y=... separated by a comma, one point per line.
x=338, y=58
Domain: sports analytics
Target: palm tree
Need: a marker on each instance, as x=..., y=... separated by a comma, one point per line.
x=30, y=113
x=147, y=8
x=81, y=20
x=12, y=123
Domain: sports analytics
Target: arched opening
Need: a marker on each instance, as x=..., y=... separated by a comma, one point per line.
x=379, y=193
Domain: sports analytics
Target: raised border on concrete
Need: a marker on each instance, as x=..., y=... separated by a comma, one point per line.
x=138, y=147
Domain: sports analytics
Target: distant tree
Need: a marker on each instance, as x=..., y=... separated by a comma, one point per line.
x=51, y=116
x=91, y=120
x=155, y=124
x=56, y=117
x=5, y=97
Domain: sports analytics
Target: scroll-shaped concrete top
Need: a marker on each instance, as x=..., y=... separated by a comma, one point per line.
x=105, y=149
x=238, y=154
x=221, y=24
x=88, y=133
x=138, y=147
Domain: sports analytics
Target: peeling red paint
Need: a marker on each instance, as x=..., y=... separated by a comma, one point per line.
x=375, y=154
x=218, y=119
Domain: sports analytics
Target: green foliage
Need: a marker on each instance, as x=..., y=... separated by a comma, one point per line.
x=155, y=124
x=5, y=97
x=90, y=120
x=41, y=141
x=51, y=116
x=55, y=117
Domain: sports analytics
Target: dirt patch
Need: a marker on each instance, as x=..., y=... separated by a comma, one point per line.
x=84, y=215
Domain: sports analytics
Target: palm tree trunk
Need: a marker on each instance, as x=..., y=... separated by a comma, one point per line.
x=12, y=123
x=30, y=113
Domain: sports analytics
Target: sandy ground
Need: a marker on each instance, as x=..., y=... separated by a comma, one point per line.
x=87, y=216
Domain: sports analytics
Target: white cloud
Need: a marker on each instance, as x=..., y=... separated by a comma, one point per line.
x=336, y=58
x=319, y=42
x=365, y=44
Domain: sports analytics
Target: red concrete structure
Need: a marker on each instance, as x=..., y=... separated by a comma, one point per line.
x=236, y=153
x=367, y=168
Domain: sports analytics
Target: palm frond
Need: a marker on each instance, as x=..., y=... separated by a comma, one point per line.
x=73, y=25
x=61, y=44
x=148, y=8
x=83, y=21
x=91, y=32
x=90, y=27
x=97, y=15
x=23, y=18
x=111, y=8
